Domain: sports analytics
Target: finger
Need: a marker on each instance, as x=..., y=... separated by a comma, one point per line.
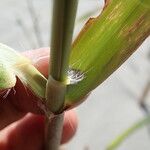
x=28, y=133
x=20, y=135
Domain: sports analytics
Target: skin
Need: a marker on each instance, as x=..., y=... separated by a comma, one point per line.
x=22, y=120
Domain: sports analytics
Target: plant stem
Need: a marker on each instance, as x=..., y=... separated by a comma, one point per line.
x=64, y=13
x=54, y=129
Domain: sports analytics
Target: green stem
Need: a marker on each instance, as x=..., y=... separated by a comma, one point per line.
x=62, y=30
x=64, y=13
x=116, y=143
x=53, y=130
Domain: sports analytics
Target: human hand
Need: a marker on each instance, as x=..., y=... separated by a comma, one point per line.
x=21, y=120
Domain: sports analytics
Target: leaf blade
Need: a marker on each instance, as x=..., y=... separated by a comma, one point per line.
x=105, y=43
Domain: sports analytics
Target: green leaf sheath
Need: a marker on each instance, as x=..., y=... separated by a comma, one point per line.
x=106, y=42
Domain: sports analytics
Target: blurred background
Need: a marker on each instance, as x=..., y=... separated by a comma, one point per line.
x=116, y=104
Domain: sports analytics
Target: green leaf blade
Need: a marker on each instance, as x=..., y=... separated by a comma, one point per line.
x=105, y=43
